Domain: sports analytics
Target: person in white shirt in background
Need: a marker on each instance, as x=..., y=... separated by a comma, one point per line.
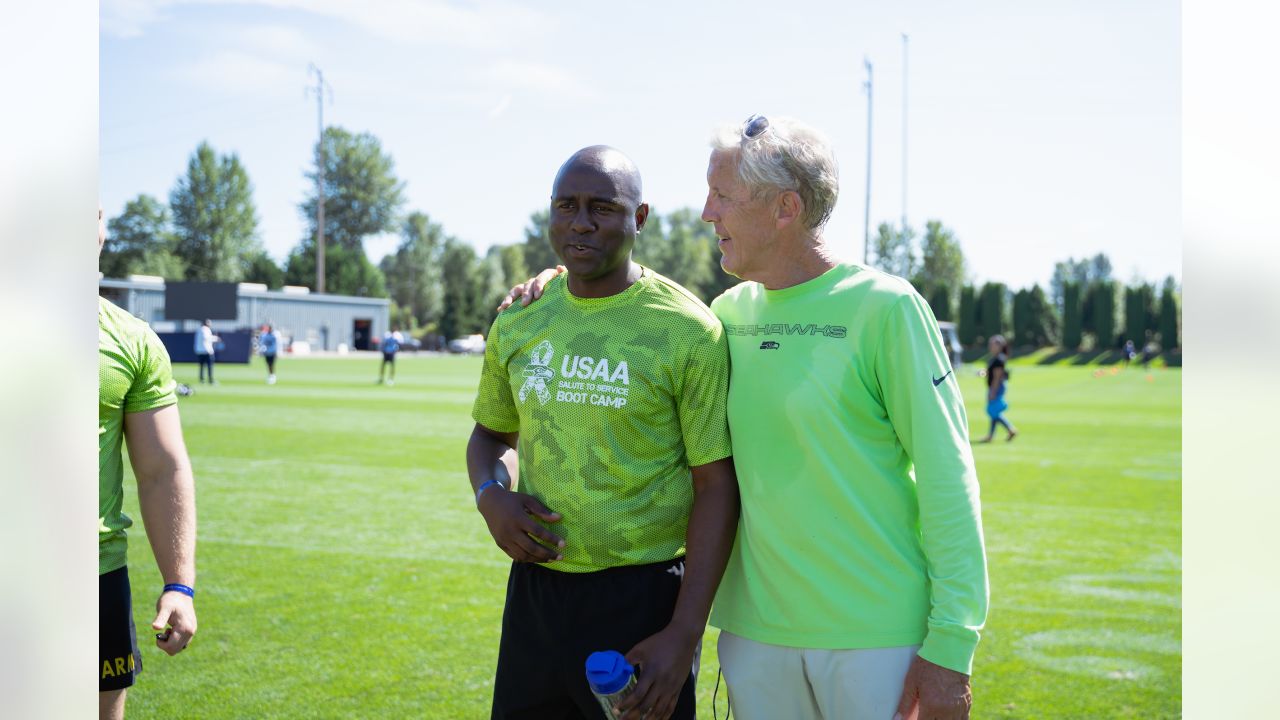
x=204, y=341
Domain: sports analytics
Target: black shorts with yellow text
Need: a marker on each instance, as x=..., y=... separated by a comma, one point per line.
x=118, y=657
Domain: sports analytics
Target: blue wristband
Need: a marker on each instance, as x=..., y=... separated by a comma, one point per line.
x=486, y=485
x=179, y=587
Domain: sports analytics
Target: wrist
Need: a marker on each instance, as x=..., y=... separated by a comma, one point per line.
x=179, y=588
x=489, y=486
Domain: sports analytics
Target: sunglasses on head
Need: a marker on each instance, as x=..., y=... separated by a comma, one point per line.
x=755, y=126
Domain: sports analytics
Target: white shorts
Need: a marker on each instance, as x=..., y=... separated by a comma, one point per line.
x=767, y=682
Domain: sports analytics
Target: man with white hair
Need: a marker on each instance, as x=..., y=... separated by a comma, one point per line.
x=858, y=583
x=859, y=577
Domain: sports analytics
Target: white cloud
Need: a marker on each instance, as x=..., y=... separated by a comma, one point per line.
x=280, y=41
x=534, y=77
x=127, y=18
x=486, y=24
x=501, y=108
x=238, y=73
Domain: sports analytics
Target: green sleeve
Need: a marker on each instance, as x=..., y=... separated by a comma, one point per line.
x=927, y=411
x=702, y=399
x=153, y=385
x=495, y=408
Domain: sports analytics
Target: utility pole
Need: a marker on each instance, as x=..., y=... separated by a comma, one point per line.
x=866, y=225
x=320, y=88
x=904, y=133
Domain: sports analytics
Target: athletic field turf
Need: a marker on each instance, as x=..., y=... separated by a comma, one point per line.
x=344, y=572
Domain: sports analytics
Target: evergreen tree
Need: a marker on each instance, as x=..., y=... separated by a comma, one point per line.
x=1072, y=328
x=1169, y=338
x=940, y=302
x=967, y=327
x=214, y=218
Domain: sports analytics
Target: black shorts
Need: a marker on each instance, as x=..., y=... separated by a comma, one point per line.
x=118, y=657
x=553, y=620
x=388, y=357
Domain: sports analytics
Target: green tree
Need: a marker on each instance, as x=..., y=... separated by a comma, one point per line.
x=967, y=324
x=460, y=314
x=347, y=271
x=1169, y=315
x=1084, y=272
x=991, y=320
x=1138, y=314
x=538, y=254
x=214, y=217
x=940, y=302
x=1021, y=319
x=362, y=195
x=1034, y=322
x=413, y=271
x=1072, y=328
x=513, y=265
x=941, y=261
x=892, y=251
x=488, y=286
x=141, y=240
x=260, y=268
x=686, y=244
x=1101, y=312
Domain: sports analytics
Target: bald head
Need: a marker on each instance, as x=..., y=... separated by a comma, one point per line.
x=608, y=161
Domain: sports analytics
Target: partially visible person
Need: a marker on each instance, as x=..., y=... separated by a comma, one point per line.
x=610, y=397
x=137, y=405
x=1130, y=352
x=204, y=342
x=997, y=384
x=269, y=345
x=391, y=341
x=858, y=584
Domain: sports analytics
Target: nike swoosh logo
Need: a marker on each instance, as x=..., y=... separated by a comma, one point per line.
x=938, y=381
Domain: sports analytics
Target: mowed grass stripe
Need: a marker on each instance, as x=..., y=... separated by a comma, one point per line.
x=344, y=572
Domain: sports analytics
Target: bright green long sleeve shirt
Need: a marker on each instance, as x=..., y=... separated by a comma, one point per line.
x=861, y=525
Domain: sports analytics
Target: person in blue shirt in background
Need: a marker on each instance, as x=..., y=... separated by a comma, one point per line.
x=390, y=345
x=268, y=346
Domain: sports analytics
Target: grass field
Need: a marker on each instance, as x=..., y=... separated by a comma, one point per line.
x=344, y=572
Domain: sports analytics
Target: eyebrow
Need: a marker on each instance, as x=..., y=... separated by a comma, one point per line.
x=619, y=201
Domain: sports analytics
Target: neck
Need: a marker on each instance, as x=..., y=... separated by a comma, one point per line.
x=803, y=259
x=611, y=283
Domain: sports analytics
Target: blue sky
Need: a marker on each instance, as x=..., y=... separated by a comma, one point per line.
x=1037, y=131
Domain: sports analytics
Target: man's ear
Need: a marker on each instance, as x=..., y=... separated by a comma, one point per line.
x=788, y=208
x=642, y=215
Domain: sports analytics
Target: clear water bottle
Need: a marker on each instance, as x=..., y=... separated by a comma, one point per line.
x=611, y=678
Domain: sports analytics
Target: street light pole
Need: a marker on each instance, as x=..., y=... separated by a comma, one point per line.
x=866, y=223
x=321, y=85
x=904, y=133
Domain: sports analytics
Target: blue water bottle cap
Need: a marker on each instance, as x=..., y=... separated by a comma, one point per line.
x=607, y=672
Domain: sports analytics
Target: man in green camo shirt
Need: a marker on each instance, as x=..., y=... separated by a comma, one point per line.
x=613, y=389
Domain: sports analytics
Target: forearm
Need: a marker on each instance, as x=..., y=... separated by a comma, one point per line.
x=491, y=456
x=713, y=523
x=167, y=499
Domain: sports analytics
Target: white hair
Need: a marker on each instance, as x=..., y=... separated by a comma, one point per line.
x=787, y=155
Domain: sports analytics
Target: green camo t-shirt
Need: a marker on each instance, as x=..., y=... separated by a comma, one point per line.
x=133, y=375
x=861, y=525
x=615, y=399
